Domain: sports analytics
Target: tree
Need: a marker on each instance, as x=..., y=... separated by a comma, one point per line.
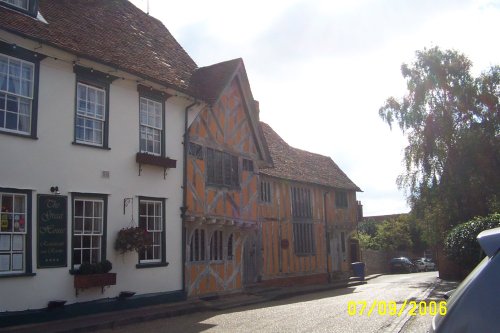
x=452, y=122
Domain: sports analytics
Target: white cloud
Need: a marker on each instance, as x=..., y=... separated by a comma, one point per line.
x=321, y=69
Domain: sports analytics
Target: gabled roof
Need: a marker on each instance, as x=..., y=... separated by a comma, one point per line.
x=112, y=32
x=209, y=82
x=303, y=166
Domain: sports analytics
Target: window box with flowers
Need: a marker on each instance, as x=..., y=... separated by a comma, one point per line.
x=94, y=275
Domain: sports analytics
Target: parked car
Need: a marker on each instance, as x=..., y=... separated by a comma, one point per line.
x=429, y=264
x=419, y=264
x=474, y=305
x=402, y=265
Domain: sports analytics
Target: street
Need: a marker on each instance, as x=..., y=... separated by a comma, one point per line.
x=318, y=312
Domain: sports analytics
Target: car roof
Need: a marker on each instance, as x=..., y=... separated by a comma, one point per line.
x=490, y=241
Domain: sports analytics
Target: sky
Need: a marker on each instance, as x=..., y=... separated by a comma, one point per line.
x=321, y=69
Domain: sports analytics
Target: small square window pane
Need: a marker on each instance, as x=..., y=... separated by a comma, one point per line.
x=11, y=122
x=97, y=225
x=4, y=262
x=5, y=242
x=96, y=242
x=7, y=203
x=3, y=66
x=86, y=242
x=77, y=257
x=77, y=241
x=14, y=85
x=78, y=208
x=158, y=207
x=12, y=104
x=98, y=209
x=19, y=206
x=87, y=225
x=142, y=208
x=151, y=223
x=14, y=68
x=27, y=72
x=78, y=225
x=156, y=252
x=17, y=242
x=95, y=255
x=89, y=209
x=17, y=262
x=143, y=222
x=85, y=256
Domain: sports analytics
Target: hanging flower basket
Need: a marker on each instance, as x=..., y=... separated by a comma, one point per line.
x=132, y=239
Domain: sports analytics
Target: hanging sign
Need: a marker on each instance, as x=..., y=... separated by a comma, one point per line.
x=52, y=231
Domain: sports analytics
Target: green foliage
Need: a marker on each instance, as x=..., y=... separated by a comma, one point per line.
x=401, y=233
x=394, y=234
x=452, y=123
x=96, y=268
x=132, y=239
x=368, y=227
x=461, y=244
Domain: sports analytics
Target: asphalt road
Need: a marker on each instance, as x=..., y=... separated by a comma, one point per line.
x=318, y=312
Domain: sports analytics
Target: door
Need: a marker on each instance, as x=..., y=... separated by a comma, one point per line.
x=250, y=261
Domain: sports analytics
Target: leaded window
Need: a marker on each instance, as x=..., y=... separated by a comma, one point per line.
x=197, y=245
x=216, y=246
x=265, y=192
x=16, y=94
x=341, y=199
x=222, y=168
x=151, y=126
x=301, y=202
x=303, y=237
x=230, y=247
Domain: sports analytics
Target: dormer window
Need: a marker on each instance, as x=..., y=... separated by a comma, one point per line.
x=29, y=7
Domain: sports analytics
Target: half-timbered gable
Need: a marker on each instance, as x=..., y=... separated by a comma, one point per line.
x=309, y=211
x=225, y=152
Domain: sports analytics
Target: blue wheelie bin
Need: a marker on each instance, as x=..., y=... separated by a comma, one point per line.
x=359, y=269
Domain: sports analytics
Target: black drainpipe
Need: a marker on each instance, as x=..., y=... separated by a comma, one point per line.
x=184, y=193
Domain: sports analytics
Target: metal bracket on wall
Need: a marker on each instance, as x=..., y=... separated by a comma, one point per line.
x=126, y=202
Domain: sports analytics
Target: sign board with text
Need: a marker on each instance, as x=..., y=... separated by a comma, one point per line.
x=52, y=231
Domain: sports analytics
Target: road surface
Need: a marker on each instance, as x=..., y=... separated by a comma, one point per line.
x=317, y=312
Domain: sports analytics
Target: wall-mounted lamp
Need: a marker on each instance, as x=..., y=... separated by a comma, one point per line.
x=55, y=190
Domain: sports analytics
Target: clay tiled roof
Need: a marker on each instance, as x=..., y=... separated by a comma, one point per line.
x=300, y=165
x=112, y=32
x=208, y=82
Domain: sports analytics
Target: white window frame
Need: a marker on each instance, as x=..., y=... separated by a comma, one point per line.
x=9, y=247
x=17, y=94
x=152, y=222
x=151, y=126
x=86, y=114
x=95, y=235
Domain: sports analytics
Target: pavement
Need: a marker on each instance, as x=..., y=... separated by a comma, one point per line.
x=115, y=319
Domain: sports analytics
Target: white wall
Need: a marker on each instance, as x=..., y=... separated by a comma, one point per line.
x=53, y=160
